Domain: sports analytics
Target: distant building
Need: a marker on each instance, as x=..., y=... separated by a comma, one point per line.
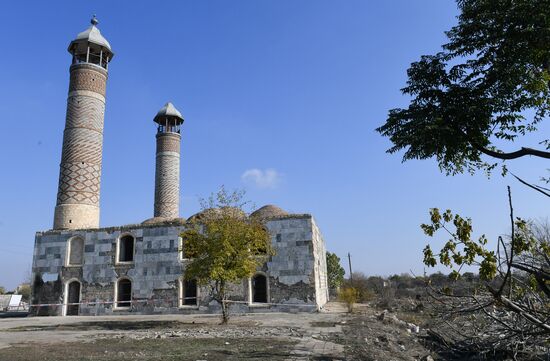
x=79, y=268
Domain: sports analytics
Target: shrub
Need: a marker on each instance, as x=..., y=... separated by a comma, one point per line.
x=349, y=296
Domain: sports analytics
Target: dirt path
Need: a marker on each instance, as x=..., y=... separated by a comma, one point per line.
x=328, y=335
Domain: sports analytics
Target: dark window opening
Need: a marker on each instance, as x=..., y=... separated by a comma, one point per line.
x=73, y=298
x=189, y=293
x=259, y=289
x=126, y=249
x=124, y=293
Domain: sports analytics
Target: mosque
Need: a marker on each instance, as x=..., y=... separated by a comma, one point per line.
x=80, y=268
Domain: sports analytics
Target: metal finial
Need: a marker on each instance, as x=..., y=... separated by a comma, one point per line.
x=94, y=20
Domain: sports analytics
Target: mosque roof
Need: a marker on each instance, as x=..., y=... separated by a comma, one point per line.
x=269, y=211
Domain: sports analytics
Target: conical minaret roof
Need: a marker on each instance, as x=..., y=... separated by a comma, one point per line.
x=91, y=36
x=168, y=111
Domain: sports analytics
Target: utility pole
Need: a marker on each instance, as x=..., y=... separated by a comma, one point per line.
x=350, y=273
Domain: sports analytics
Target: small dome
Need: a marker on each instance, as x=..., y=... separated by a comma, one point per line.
x=162, y=220
x=92, y=35
x=269, y=211
x=216, y=212
x=168, y=111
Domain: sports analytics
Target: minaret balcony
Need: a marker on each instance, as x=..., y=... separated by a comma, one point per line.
x=92, y=58
x=169, y=128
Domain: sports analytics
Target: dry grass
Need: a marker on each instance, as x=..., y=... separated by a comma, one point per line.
x=152, y=349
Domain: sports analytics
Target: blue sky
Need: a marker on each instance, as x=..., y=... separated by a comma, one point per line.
x=280, y=98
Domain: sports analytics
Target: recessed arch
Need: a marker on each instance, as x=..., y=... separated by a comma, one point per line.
x=123, y=293
x=71, y=297
x=188, y=294
x=259, y=288
x=75, y=251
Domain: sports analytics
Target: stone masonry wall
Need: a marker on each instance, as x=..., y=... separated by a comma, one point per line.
x=294, y=273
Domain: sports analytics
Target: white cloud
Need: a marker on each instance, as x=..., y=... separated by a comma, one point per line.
x=265, y=179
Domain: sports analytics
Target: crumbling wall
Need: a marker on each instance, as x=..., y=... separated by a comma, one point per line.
x=46, y=292
x=47, y=283
x=320, y=269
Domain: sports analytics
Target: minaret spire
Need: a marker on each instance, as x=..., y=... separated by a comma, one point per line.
x=80, y=169
x=167, y=170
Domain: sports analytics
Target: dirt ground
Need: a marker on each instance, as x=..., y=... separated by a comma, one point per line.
x=329, y=335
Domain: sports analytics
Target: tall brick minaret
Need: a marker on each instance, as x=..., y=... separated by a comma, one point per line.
x=80, y=170
x=167, y=171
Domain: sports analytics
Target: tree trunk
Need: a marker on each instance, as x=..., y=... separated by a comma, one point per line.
x=225, y=306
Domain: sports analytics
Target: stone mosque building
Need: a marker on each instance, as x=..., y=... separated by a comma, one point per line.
x=80, y=268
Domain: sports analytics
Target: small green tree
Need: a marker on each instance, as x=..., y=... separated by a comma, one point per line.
x=2, y=290
x=225, y=245
x=335, y=272
x=25, y=291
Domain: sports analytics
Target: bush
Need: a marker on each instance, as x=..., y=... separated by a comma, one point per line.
x=365, y=290
x=349, y=296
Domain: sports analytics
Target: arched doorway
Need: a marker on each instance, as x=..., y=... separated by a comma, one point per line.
x=188, y=292
x=73, y=298
x=124, y=293
x=259, y=289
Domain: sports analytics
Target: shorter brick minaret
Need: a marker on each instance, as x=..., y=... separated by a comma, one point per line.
x=167, y=171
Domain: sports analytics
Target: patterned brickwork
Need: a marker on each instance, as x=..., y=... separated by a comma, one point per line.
x=170, y=142
x=82, y=145
x=167, y=176
x=85, y=112
x=88, y=77
x=80, y=169
x=79, y=183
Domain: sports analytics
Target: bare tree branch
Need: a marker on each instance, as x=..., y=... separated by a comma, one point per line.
x=513, y=155
x=530, y=185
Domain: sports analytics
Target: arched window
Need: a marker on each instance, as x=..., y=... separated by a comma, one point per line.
x=189, y=292
x=75, y=251
x=123, y=293
x=259, y=289
x=126, y=248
